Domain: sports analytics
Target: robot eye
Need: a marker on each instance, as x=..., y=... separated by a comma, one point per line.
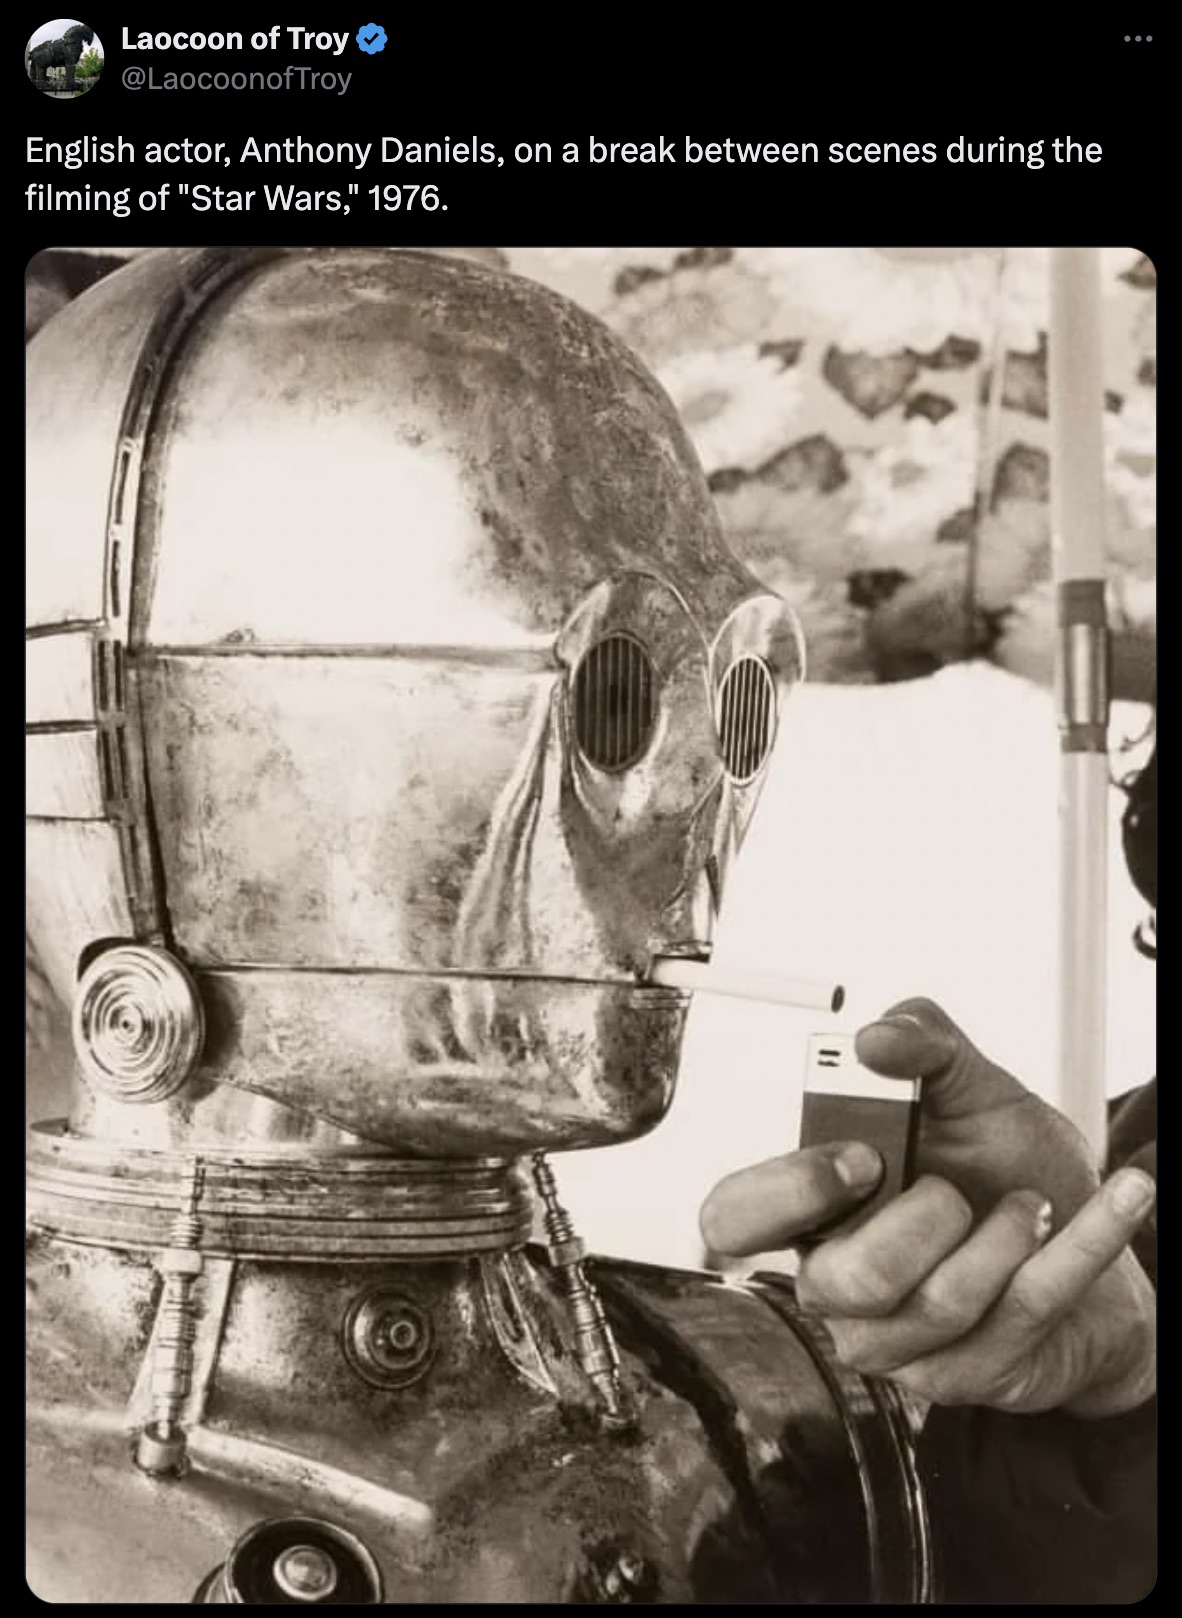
x=615, y=702
x=746, y=718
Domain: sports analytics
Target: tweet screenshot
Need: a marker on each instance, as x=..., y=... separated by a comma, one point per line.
x=591, y=810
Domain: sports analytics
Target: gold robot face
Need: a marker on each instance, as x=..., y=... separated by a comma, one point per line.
x=427, y=704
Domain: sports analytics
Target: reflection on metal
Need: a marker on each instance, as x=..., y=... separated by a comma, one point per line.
x=412, y=811
x=595, y=1347
x=62, y=775
x=878, y=1428
x=507, y=1286
x=468, y=840
x=291, y=1200
x=755, y=1470
x=160, y=1449
x=305, y=1573
x=615, y=703
x=746, y=718
x=59, y=688
x=387, y=1338
x=1083, y=667
x=614, y=1576
x=295, y=1560
x=138, y=1024
x=270, y=1471
x=131, y=493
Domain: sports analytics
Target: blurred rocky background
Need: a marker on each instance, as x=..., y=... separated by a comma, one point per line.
x=874, y=425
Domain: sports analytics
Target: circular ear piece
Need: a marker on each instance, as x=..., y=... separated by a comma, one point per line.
x=138, y=1024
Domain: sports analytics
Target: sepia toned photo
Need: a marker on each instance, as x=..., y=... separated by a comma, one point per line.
x=591, y=925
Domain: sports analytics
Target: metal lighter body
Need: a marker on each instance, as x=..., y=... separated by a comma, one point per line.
x=844, y=1101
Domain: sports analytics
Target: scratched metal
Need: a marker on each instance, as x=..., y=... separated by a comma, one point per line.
x=386, y=504
x=344, y=526
x=488, y=1478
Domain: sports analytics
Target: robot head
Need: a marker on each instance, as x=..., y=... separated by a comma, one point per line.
x=394, y=701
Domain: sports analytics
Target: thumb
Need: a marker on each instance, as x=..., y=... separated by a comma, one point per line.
x=918, y=1039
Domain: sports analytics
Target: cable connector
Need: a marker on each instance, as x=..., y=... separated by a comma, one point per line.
x=595, y=1346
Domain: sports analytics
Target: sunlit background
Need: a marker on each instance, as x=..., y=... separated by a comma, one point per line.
x=874, y=423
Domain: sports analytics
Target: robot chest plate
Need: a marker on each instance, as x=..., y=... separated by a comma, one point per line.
x=422, y=1433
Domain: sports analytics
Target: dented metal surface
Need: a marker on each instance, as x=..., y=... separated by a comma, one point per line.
x=353, y=839
x=473, y=1481
x=363, y=537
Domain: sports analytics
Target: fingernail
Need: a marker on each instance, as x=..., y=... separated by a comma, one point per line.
x=857, y=1165
x=925, y=1043
x=1132, y=1192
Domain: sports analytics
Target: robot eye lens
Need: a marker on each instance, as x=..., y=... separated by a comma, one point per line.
x=615, y=702
x=746, y=718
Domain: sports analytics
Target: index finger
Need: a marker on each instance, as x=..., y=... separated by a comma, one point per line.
x=771, y=1204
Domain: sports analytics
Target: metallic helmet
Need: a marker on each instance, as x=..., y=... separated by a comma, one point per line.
x=393, y=702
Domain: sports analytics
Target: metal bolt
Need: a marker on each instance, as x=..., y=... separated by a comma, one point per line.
x=631, y=1567
x=387, y=1338
x=305, y=1573
x=403, y=1334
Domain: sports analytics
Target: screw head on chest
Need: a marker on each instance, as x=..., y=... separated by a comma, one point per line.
x=305, y=1573
x=387, y=1338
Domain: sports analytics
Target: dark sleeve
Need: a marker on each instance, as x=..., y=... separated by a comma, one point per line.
x=1050, y=1508
x=1042, y=1508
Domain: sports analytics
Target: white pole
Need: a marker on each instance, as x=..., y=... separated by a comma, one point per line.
x=1077, y=517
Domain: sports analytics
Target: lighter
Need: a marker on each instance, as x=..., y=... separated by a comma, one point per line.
x=845, y=1101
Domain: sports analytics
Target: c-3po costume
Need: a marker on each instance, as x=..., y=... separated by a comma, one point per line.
x=393, y=703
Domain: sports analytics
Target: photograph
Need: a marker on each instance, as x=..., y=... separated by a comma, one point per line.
x=64, y=59
x=590, y=945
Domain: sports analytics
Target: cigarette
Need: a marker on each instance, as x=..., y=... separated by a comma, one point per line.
x=672, y=972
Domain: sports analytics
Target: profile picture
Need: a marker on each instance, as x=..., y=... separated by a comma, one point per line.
x=64, y=58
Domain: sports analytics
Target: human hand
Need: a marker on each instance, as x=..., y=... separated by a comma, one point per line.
x=1002, y=1277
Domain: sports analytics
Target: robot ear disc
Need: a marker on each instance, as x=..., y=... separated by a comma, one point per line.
x=138, y=1023
x=96, y=947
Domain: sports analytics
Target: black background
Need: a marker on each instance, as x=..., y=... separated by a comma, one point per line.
x=829, y=75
